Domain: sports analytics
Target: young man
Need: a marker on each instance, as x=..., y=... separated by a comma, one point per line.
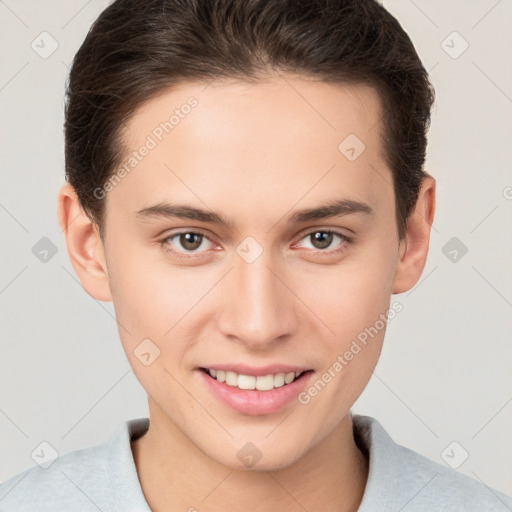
x=246, y=186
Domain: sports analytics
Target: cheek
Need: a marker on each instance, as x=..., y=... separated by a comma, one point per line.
x=147, y=294
x=353, y=302
x=158, y=302
x=148, y=304
x=353, y=295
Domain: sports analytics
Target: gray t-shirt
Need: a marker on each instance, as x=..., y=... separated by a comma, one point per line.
x=104, y=478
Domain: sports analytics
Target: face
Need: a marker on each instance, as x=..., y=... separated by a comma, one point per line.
x=254, y=239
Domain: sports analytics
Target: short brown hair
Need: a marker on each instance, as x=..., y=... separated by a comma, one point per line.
x=137, y=49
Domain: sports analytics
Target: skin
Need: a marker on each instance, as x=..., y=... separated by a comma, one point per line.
x=255, y=154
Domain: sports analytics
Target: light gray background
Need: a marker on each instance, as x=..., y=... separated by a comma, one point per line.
x=444, y=374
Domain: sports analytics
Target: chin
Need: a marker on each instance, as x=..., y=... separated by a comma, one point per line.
x=246, y=456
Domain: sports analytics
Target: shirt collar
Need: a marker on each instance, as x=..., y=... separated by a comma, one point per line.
x=383, y=488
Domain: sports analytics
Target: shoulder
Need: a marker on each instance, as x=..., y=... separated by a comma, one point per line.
x=56, y=486
x=443, y=487
x=100, y=477
x=413, y=482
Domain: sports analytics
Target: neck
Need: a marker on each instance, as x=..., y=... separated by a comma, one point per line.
x=175, y=475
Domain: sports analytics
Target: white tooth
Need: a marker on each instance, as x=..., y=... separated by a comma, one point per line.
x=279, y=380
x=265, y=382
x=289, y=377
x=246, y=381
x=231, y=379
x=261, y=383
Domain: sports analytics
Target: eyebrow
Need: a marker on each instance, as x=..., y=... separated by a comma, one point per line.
x=336, y=208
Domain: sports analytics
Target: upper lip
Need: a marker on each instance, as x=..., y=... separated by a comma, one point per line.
x=245, y=369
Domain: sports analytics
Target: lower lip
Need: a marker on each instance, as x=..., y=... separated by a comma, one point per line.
x=254, y=402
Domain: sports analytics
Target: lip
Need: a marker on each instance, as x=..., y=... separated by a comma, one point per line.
x=254, y=402
x=256, y=372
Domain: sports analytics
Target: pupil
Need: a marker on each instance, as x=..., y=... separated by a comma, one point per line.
x=323, y=239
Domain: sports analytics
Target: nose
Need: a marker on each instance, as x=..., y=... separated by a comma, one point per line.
x=258, y=308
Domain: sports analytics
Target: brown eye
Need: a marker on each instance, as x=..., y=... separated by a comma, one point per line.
x=190, y=241
x=325, y=242
x=321, y=239
x=187, y=244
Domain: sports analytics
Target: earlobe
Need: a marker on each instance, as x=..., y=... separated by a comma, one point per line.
x=413, y=249
x=85, y=248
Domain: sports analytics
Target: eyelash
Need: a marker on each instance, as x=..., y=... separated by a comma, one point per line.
x=345, y=241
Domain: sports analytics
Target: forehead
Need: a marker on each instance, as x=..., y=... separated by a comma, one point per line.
x=277, y=140
x=260, y=108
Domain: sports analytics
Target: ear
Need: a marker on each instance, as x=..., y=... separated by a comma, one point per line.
x=413, y=249
x=85, y=247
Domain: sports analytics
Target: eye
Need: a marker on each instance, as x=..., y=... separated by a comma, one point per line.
x=322, y=239
x=186, y=242
x=189, y=244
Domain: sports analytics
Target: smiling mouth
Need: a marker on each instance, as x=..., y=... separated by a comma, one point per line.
x=252, y=382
